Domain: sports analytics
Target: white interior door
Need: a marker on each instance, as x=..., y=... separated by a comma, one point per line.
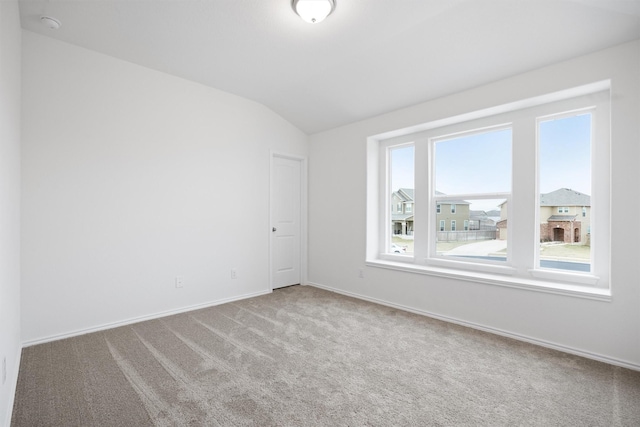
x=286, y=227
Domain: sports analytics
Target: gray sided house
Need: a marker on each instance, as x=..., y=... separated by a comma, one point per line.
x=402, y=211
x=483, y=220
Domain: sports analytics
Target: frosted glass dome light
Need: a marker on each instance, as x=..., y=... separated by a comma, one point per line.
x=313, y=11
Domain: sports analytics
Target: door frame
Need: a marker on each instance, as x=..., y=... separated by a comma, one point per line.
x=303, y=212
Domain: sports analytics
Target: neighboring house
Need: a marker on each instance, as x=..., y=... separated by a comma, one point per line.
x=402, y=211
x=482, y=220
x=494, y=215
x=568, y=216
x=451, y=216
x=565, y=216
x=454, y=215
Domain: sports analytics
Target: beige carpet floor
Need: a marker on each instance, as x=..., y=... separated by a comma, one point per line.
x=302, y=356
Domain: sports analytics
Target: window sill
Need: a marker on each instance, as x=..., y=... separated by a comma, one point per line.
x=454, y=264
x=537, y=285
x=583, y=279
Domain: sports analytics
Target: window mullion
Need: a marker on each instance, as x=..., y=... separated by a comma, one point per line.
x=383, y=197
x=522, y=239
x=422, y=201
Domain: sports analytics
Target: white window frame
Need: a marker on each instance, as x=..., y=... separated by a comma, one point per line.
x=466, y=225
x=600, y=193
x=384, y=229
x=473, y=127
x=442, y=226
x=521, y=269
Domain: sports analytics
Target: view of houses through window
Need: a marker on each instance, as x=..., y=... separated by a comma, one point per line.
x=472, y=174
x=507, y=192
x=472, y=185
x=564, y=170
x=402, y=199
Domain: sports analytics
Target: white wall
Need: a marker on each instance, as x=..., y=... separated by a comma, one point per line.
x=9, y=201
x=130, y=178
x=606, y=330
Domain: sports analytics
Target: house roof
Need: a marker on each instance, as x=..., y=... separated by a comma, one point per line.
x=401, y=217
x=452, y=202
x=478, y=215
x=562, y=218
x=359, y=63
x=483, y=217
x=565, y=197
x=406, y=194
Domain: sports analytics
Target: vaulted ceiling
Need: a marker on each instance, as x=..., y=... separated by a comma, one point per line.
x=367, y=58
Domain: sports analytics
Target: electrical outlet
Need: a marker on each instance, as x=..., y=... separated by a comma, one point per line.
x=179, y=282
x=361, y=273
x=234, y=273
x=4, y=370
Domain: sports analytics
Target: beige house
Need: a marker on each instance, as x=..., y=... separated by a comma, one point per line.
x=454, y=215
x=565, y=216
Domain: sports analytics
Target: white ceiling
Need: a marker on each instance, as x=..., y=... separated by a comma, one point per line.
x=367, y=58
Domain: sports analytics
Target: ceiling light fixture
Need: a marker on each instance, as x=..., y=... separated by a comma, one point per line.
x=313, y=11
x=51, y=23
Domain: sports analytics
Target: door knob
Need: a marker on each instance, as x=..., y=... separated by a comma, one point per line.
x=273, y=229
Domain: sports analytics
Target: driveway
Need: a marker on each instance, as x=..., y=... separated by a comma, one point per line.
x=481, y=248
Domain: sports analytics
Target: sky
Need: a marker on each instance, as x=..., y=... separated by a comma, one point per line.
x=481, y=163
x=565, y=154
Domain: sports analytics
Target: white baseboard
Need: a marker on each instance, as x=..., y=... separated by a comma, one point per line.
x=14, y=387
x=496, y=331
x=141, y=319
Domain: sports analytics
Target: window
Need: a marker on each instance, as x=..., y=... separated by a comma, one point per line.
x=472, y=172
x=399, y=228
x=522, y=178
x=563, y=242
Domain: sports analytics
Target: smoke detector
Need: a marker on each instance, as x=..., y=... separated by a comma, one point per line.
x=51, y=23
